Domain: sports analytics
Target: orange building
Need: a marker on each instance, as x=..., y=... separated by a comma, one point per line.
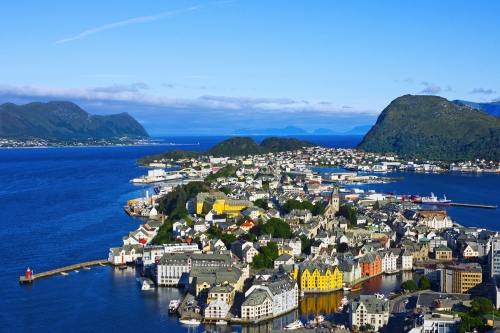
x=371, y=264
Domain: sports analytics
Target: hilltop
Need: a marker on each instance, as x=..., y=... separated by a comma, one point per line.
x=62, y=120
x=234, y=147
x=432, y=127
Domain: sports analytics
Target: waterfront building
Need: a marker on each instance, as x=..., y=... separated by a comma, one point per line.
x=258, y=304
x=203, y=278
x=371, y=264
x=368, y=309
x=125, y=254
x=153, y=253
x=388, y=261
x=217, y=309
x=174, y=268
x=313, y=276
x=351, y=271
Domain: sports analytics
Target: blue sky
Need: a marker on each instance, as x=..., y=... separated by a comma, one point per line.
x=201, y=67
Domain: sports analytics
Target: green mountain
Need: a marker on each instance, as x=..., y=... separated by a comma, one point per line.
x=434, y=128
x=282, y=144
x=236, y=146
x=60, y=120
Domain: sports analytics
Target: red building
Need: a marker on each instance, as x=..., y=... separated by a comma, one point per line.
x=371, y=264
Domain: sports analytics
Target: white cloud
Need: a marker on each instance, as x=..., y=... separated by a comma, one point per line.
x=132, y=94
x=482, y=91
x=431, y=90
x=124, y=23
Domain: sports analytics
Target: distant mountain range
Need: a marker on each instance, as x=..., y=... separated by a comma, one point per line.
x=434, y=128
x=491, y=108
x=292, y=130
x=61, y=120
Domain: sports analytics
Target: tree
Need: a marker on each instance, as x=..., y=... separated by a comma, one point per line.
x=409, y=285
x=305, y=242
x=277, y=228
x=481, y=306
x=226, y=190
x=424, y=283
x=343, y=247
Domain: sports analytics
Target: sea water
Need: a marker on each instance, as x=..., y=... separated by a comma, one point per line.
x=62, y=206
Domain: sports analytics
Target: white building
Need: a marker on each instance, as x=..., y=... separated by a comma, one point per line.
x=388, y=261
x=282, y=292
x=368, y=309
x=153, y=253
x=124, y=254
x=217, y=309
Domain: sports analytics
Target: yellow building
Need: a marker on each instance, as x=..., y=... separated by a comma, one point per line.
x=461, y=279
x=317, y=277
x=205, y=202
x=285, y=249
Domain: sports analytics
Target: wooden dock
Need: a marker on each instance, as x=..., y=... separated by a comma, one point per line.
x=24, y=279
x=473, y=205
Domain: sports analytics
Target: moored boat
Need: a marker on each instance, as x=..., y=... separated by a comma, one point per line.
x=295, y=325
x=433, y=200
x=355, y=288
x=191, y=321
x=64, y=273
x=173, y=305
x=221, y=322
x=346, y=288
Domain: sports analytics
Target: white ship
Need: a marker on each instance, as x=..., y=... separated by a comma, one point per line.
x=157, y=175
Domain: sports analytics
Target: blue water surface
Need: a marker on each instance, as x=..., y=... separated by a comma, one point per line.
x=62, y=206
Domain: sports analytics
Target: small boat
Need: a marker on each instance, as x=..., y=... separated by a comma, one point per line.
x=295, y=325
x=346, y=288
x=101, y=264
x=76, y=271
x=123, y=267
x=355, y=289
x=86, y=267
x=64, y=273
x=173, y=305
x=221, y=322
x=191, y=322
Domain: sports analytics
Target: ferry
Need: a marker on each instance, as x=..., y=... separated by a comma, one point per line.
x=173, y=305
x=295, y=325
x=433, y=200
x=157, y=175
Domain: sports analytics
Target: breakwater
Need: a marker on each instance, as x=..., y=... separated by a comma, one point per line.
x=473, y=205
x=25, y=279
